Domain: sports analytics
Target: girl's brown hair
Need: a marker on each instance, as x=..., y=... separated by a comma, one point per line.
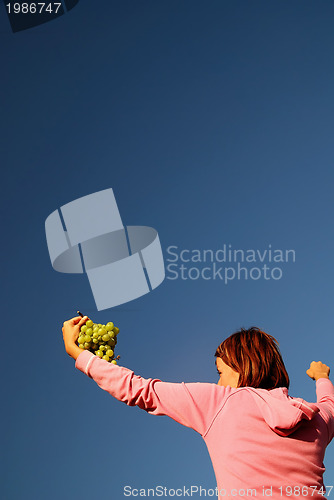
x=255, y=355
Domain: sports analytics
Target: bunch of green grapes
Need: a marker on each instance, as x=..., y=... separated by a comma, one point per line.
x=99, y=339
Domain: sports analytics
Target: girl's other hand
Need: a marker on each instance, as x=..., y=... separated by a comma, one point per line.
x=318, y=370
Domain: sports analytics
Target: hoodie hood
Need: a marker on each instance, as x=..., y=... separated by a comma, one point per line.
x=281, y=412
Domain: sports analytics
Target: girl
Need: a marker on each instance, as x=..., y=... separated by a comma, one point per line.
x=260, y=440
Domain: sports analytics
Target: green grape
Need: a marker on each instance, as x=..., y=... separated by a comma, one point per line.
x=99, y=339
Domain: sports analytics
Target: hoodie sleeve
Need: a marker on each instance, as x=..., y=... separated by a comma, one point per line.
x=192, y=405
x=325, y=400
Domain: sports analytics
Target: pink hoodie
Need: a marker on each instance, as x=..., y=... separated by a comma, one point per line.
x=262, y=443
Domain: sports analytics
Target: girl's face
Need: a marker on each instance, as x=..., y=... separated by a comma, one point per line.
x=227, y=376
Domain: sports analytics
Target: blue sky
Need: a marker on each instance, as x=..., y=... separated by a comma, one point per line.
x=213, y=123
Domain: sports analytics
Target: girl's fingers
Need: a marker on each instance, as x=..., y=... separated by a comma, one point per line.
x=79, y=320
x=83, y=320
x=76, y=320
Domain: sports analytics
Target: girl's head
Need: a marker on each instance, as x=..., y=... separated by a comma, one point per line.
x=251, y=358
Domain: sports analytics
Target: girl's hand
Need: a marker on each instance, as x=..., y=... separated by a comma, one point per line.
x=71, y=330
x=318, y=370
